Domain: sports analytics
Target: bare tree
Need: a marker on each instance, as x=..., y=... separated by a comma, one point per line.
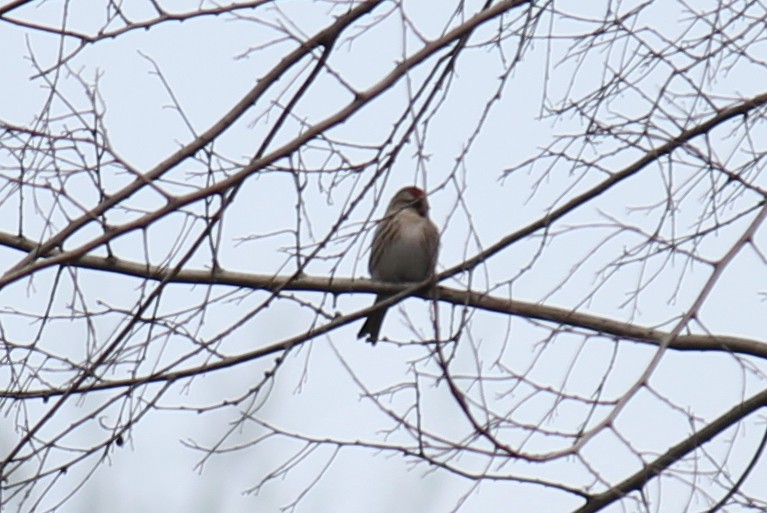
x=188, y=195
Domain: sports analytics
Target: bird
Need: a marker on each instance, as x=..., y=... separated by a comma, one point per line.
x=404, y=249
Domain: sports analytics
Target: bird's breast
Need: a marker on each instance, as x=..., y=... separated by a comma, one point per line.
x=406, y=258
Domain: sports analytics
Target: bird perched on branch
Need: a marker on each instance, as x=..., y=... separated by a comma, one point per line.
x=404, y=249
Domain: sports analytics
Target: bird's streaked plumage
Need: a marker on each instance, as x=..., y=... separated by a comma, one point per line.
x=404, y=249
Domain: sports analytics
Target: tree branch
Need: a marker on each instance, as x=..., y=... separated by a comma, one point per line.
x=333, y=285
x=675, y=454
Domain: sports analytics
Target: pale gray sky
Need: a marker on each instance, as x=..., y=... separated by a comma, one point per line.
x=320, y=390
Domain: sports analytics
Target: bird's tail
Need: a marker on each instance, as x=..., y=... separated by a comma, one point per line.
x=372, y=326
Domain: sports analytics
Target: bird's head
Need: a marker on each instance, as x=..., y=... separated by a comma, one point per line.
x=410, y=197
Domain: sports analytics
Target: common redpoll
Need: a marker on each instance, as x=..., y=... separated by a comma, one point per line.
x=404, y=249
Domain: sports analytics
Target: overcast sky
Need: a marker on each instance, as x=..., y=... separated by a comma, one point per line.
x=470, y=156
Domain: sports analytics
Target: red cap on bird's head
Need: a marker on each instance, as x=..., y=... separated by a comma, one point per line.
x=420, y=203
x=415, y=191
